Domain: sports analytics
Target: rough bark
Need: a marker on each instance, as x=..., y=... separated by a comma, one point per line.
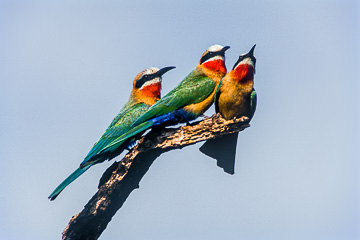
x=120, y=179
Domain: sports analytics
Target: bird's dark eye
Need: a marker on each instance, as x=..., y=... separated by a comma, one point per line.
x=143, y=80
x=208, y=56
x=239, y=60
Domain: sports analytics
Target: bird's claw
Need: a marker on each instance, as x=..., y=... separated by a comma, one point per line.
x=216, y=115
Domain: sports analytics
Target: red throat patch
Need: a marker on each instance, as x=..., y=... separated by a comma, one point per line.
x=243, y=73
x=216, y=65
x=152, y=90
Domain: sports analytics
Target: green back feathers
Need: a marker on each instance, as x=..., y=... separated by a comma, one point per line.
x=121, y=123
x=193, y=89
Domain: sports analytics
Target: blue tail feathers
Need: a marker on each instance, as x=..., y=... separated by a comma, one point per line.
x=174, y=117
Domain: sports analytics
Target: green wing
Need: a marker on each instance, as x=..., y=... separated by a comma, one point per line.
x=127, y=107
x=253, y=102
x=121, y=123
x=193, y=89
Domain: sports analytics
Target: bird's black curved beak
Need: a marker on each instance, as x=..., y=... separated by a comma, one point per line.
x=224, y=49
x=251, y=52
x=164, y=70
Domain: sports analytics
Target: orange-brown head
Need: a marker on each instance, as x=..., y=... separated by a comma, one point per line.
x=147, y=85
x=212, y=62
x=244, y=68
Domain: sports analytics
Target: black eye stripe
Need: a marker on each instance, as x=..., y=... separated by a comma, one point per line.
x=237, y=62
x=145, y=78
x=210, y=55
x=242, y=58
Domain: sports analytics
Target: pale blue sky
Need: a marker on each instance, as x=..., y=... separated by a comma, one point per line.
x=67, y=68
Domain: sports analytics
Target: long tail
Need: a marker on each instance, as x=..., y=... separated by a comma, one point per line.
x=223, y=149
x=67, y=181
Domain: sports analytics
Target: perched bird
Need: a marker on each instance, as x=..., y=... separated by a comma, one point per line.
x=235, y=97
x=190, y=99
x=145, y=93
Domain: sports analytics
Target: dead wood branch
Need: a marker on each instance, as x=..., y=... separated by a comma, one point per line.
x=123, y=177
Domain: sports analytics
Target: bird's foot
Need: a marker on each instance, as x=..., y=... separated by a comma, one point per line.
x=216, y=115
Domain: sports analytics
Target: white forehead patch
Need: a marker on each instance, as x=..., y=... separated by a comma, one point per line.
x=150, y=70
x=215, y=48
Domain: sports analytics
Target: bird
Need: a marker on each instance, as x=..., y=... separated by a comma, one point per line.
x=235, y=97
x=145, y=92
x=187, y=101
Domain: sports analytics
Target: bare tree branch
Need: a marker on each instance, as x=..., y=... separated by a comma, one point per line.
x=120, y=179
